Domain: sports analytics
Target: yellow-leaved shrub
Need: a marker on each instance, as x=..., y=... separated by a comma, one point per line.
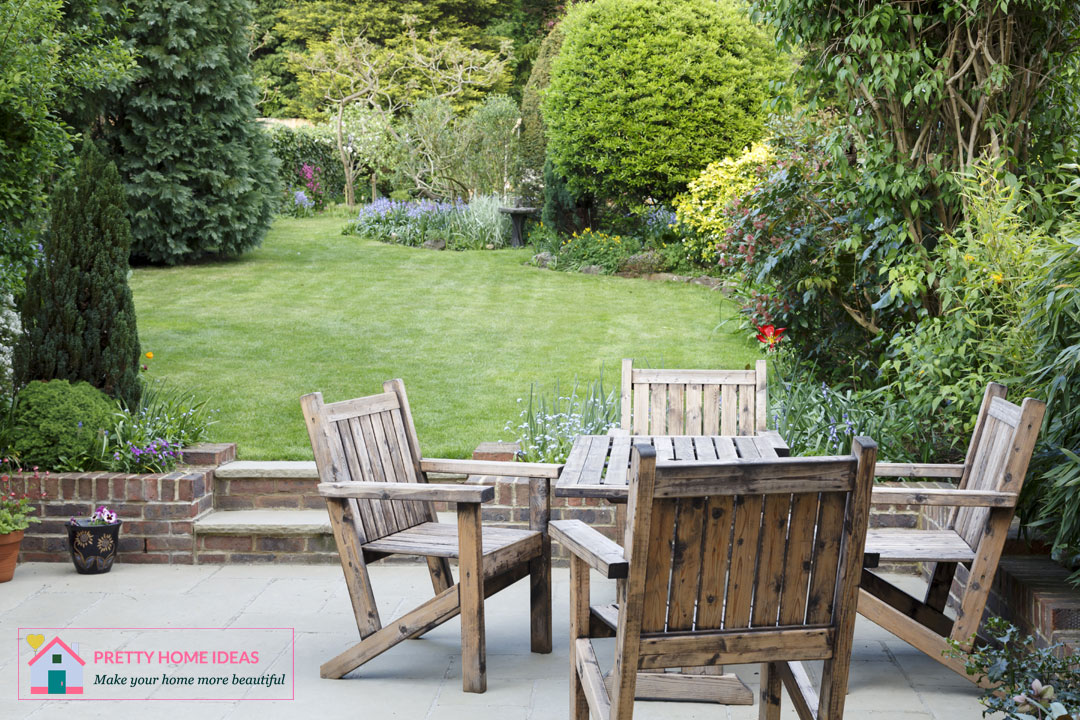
x=702, y=207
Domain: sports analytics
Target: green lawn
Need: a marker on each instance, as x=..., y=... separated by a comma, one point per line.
x=467, y=331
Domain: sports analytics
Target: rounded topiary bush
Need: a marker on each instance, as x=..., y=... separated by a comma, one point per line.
x=645, y=93
x=56, y=421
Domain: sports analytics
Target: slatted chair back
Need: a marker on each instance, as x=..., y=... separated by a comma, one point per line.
x=369, y=439
x=693, y=402
x=997, y=458
x=744, y=561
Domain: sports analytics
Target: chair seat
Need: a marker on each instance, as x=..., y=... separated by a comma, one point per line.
x=502, y=547
x=902, y=545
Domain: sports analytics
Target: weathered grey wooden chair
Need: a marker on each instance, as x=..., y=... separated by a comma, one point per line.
x=726, y=562
x=374, y=480
x=693, y=402
x=964, y=554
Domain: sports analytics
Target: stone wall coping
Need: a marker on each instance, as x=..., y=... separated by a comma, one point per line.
x=250, y=469
x=264, y=522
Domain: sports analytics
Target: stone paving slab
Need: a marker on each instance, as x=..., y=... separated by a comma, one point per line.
x=419, y=679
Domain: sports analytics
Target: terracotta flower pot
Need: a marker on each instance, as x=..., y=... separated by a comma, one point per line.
x=9, y=553
x=93, y=547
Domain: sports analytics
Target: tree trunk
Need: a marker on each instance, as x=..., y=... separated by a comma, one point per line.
x=374, y=186
x=346, y=163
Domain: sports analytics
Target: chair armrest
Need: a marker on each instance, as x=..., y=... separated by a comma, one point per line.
x=919, y=470
x=942, y=496
x=408, y=491
x=498, y=468
x=602, y=555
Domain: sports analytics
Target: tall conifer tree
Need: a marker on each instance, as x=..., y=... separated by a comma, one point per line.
x=78, y=315
x=200, y=178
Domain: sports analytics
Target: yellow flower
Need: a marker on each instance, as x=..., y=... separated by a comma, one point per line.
x=149, y=356
x=969, y=257
x=997, y=277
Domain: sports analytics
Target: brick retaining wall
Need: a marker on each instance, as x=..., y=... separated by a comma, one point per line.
x=157, y=510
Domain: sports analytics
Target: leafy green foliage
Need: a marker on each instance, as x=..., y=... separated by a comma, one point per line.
x=49, y=60
x=645, y=93
x=78, y=316
x=1051, y=501
x=198, y=170
x=283, y=28
x=533, y=133
x=924, y=92
x=57, y=422
x=311, y=145
x=942, y=365
x=1026, y=682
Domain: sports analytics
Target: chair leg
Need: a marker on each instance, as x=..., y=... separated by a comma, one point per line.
x=769, y=702
x=540, y=567
x=579, y=628
x=471, y=593
x=540, y=601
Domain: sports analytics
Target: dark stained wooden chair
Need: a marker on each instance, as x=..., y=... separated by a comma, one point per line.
x=739, y=561
x=693, y=402
x=374, y=480
x=963, y=555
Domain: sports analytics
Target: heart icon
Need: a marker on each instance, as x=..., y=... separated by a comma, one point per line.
x=35, y=640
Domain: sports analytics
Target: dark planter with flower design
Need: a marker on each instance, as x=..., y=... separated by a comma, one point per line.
x=93, y=547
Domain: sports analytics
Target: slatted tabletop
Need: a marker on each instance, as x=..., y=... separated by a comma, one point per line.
x=599, y=465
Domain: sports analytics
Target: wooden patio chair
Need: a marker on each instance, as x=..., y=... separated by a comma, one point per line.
x=374, y=480
x=693, y=402
x=964, y=554
x=742, y=561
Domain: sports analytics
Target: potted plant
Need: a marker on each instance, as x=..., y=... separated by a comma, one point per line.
x=92, y=541
x=15, y=517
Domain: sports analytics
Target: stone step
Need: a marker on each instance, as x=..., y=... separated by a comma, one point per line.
x=274, y=523
x=264, y=536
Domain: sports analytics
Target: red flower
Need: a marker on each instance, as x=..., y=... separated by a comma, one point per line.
x=770, y=336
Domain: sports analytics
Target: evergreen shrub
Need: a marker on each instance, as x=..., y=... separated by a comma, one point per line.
x=645, y=93
x=57, y=424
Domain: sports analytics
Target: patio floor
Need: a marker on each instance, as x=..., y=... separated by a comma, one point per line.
x=417, y=679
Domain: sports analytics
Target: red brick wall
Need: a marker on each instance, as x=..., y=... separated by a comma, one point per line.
x=157, y=510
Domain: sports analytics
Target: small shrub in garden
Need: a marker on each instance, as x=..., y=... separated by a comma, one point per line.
x=60, y=425
x=645, y=93
x=591, y=247
x=1025, y=682
x=546, y=430
x=703, y=207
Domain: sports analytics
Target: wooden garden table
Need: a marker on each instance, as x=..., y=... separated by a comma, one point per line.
x=599, y=466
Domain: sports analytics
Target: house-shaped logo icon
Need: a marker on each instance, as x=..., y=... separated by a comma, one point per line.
x=57, y=670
